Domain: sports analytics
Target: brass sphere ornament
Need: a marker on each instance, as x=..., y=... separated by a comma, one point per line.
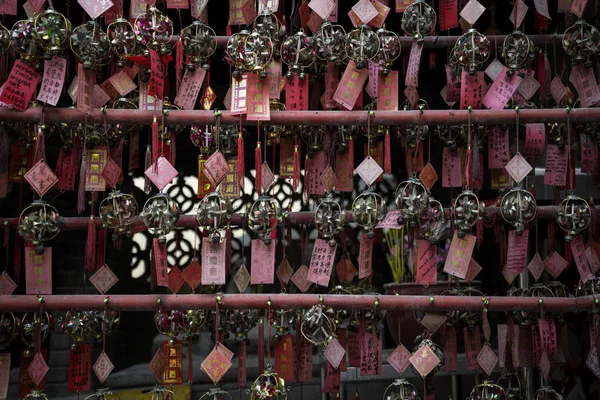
x=263, y=217
x=401, y=389
x=329, y=219
x=389, y=49
x=368, y=209
x=298, y=53
x=518, y=207
x=581, y=42
x=362, y=45
x=412, y=199
x=153, y=31
x=52, y=30
x=466, y=211
x=573, y=215
x=330, y=43
x=118, y=211
x=518, y=51
x=91, y=45
x=214, y=213
x=419, y=20
x=269, y=385
x=39, y=223
x=472, y=50
x=199, y=44
x=122, y=40
x=487, y=391
x=160, y=214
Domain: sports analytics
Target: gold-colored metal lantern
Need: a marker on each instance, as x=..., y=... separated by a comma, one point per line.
x=401, y=389
x=214, y=213
x=91, y=45
x=362, y=45
x=216, y=394
x=517, y=50
x=121, y=35
x=160, y=214
x=466, y=211
x=9, y=329
x=419, y=20
x=153, y=31
x=581, y=42
x=472, y=50
x=412, y=199
x=368, y=209
x=118, y=211
x=240, y=322
x=199, y=44
x=318, y=325
x=329, y=219
x=298, y=53
x=52, y=30
x=389, y=49
x=39, y=223
x=23, y=42
x=268, y=386
x=4, y=39
x=433, y=222
x=487, y=391
x=330, y=43
x=263, y=217
x=573, y=215
x=547, y=393
x=31, y=323
x=518, y=207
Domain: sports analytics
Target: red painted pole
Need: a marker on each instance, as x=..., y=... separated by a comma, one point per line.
x=150, y=302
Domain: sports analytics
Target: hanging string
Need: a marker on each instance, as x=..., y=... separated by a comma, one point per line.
x=517, y=127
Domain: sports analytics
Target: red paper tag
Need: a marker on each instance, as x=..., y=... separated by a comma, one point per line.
x=350, y=86
x=38, y=369
x=589, y=154
x=41, y=178
x=316, y=169
x=414, y=61
x=471, y=90
x=7, y=285
x=85, y=89
x=190, y=88
x=433, y=321
x=498, y=148
x=344, y=182
x=66, y=168
x=296, y=93
x=516, y=259
x=216, y=365
x=176, y=280
x=555, y=264
x=592, y=256
x=368, y=355
x=472, y=346
x=399, y=359
x=451, y=169
x=321, y=262
x=80, y=368
x=26, y=384
x=426, y=263
x=578, y=253
x=111, y=173
x=122, y=83
x=258, y=108
x=453, y=91
x=387, y=92
x=4, y=374
x=9, y=7
x=161, y=173
x=213, y=263
x=284, y=357
x=20, y=85
x=501, y=90
x=95, y=162
x=173, y=352
x=178, y=4
x=305, y=362
x=332, y=380
x=365, y=258
x=38, y=271
x=354, y=348
x=547, y=336
x=487, y=359
x=300, y=279
x=556, y=165
x=448, y=12
x=241, y=381
x=262, y=267
x=424, y=360
x=160, y=259
x=334, y=353
x=459, y=255
x=449, y=349
x=54, y=78
x=535, y=140
x=274, y=76
x=157, y=75
x=286, y=157
x=402, y=5
x=331, y=84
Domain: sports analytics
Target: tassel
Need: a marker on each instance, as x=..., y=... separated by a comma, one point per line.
x=551, y=237
x=40, y=146
x=541, y=68
x=155, y=144
x=190, y=365
x=431, y=60
x=241, y=172
x=90, y=246
x=81, y=187
x=173, y=148
x=568, y=255
x=178, y=64
x=387, y=160
x=307, y=167
x=261, y=346
x=147, y=163
x=350, y=166
x=475, y=159
x=17, y=257
x=228, y=30
x=296, y=173
x=101, y=248
x=258, y=167
x=479, y=232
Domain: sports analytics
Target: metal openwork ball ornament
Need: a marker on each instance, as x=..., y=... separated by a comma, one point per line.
x=298, y=53
x=330, y=43
x=581, y=42
x=199, y=44
x=329, y=219
x=267, y=24
x=517, y=50
x=240, y=322
x=389, y=49
x=412, y=199
x=153, y=31
x=318, y=325
x=269, y=385
x=122, y=40
x=547, y=393
x=91, y=45
x=472, y=50
x=362, y=45
x=52, y=31
x=9, y=329
x=263, y=217
x=36, y=395
x=160, y=214
x=4, y=39
x=169, y=323
x=518, y=207
x=432, y=222
x=23, y=42
x=401, y=389
x=466, y=211
x=487, y=391
x=573, y=216
x=39, y=223
x=368, y=209
x=117, y=212
x=32, y=325
x=419, y=20
x=214, y=213
x=216, y=394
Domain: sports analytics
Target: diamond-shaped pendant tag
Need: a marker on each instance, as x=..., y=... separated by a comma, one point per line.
x=208, y=99
x=38, y=369
x=433, y=321
x=424, y=360
x=111, y=172
x=555, y=264
x=104, y=279
x=161, y=173
x=267, y=177
x=175, y=279
x=334, y=353
x=103, y=367
x=300, y=279
x=428, y=176
x=545, y=366
x=158, y=365
x=41, y=178
x=328, y=178
x=192, y=274
x=487, y=359
x=284, y=271
x=215, y=168
x=399, y=359
x=242, y=278
x=536, y=266
x=7, y=285
x=473, y=270
x=518, y=168
x=369, y=170
x=95, y=8
x=472, y=11
x=215, y=365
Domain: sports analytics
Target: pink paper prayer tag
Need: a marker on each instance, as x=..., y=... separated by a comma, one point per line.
x=426, y=263
x=162, y=173
x=213, y=263
x=498, y=147
x=365, y=11
x=189, y=88
x=321, y=263
x=300, y=279
x=471, y=90
x=578, y=252
x=258, y=108
x=555, y=264
x=459, y=255
x=589, y=154
x=516, y=259
x=20, y=85
x=535, y=139
x=160, y=261
x=557, y=89
x=501, y=90
x=351, y=85
x=38, y=271
x=451, y=168
x=334, y=353
x=322, y=7
x=365, y=258
x=556, y=165
x=399, y=359
x=95, y=8
x=53, y=80
x=414, y=62
x=472, y=11
x=262, y=267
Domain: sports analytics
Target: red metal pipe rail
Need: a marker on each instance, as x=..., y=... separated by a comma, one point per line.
x=295, y=218
x=199, y=117
x=151, y=302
